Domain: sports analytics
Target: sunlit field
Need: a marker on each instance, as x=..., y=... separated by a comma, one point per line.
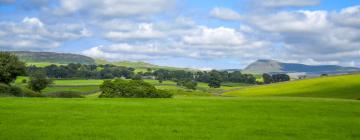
x=179, y=118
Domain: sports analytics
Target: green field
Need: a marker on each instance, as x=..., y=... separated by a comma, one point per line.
x=261, y=112
x=347, y=87
x=92, y=86
x=179, y=118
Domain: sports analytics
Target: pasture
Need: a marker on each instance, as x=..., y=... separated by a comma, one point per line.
x=179, y=118
x=346, y=86
x=90, y=86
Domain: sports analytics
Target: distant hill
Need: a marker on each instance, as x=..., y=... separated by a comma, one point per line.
x=140, y=65
x=266, y=66
x=344, y=86
x=52, y=57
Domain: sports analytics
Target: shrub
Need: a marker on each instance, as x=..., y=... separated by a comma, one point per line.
x=16, y=91
x=163, y=94
x=5, y=90
x=29, y=93
x=189, y=84
x=66, y=94
x=24, y=81
x=39, y=81
x=131, y=89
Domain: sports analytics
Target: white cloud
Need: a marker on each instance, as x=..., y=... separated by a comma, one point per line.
x=113, y=8
x=124, y=51
x=317, y=35
x=200, y=43
x=347, y=17
x=32, y=33
x=225, y=14
x=217, y=36
x=144, y=31
x=299, y=21
x=286, y=3
x=33, y=21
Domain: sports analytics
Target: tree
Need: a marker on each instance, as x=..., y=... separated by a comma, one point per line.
x=39, y=81
x=190, y=84
x=131, y=89
x=215, y=79
x=10, y=67
x=267, y=78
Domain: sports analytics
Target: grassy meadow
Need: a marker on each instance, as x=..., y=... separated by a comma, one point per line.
x=346, y=86
x=91, y=86
x=278, y=111
x=179, y=118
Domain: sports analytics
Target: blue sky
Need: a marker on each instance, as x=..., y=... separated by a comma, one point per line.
x=200, y=34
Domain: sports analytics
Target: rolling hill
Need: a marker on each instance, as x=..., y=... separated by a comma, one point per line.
x=42, y=59
x=52, y=57
x=140, y=65
x=345, y=86
x=266, y=66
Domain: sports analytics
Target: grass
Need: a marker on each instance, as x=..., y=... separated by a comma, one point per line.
x=346, y=86
x=179, y=118
x=88, y=89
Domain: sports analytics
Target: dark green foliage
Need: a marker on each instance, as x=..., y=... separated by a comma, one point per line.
x=267, y=78
x=215, y=79
x=39, y=81
x=66, y=94
x=189, y=84
x=10, y=67
x=137, y=77
x=84, y=71
x=275, y=78
x=29, y=93
x=24, y=81
x=238, y=77
x=6, y=90
x=16, y=91
x=280, y=78
x=131, y=89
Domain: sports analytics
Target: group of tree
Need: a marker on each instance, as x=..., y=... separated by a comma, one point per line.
x=131, y=89
x=275, y=78
x=188, y=83
x=84, y=71
x=10, y=68
x=214, y=78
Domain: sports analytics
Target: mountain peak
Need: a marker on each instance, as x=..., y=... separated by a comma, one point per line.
x=266, y=66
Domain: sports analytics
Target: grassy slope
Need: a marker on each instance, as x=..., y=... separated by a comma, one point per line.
x=347, y=86
x=179, y=118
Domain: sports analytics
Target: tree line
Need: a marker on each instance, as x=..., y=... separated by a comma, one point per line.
x=184, y=78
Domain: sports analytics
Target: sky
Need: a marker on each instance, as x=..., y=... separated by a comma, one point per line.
x=202, y=34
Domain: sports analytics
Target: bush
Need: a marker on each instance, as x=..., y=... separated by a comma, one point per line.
x=5, y=90
x=24, y=81
x=66, y=94
x=39, y=81
x=131, y=89
x=163, y=94
x=29, y=93
x=16, y=91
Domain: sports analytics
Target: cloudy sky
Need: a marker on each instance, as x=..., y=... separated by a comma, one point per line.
x=187, y=33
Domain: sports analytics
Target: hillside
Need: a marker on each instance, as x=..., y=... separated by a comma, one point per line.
x=140, y=65
x=346, y=86
x=51, y=57
x=265, y=66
